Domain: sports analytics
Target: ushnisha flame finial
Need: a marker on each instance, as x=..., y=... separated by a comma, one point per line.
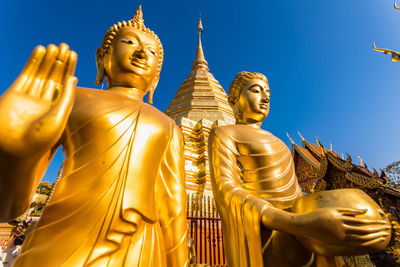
x=138, y=17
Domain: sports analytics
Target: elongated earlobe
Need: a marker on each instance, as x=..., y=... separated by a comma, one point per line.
x=152, y=89
x=99, y=66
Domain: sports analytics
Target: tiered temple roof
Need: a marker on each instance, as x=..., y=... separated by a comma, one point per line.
x=319, y=168
x=199, y=105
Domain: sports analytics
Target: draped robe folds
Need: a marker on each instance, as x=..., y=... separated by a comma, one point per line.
x=121, y=198
x=250, y=170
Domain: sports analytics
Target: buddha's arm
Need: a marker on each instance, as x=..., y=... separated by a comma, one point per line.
x=173, y=202
x=19, y=178
x=34, y=112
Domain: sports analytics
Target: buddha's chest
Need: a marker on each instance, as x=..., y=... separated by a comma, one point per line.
x=106, y=126
x=262, y=153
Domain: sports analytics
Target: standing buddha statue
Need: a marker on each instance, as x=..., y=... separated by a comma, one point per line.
x=265, y=219
x=121, y=198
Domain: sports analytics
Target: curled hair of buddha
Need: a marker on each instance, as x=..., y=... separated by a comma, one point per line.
x=138, y=23
x=240, y=81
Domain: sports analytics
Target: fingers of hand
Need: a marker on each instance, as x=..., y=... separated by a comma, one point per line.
x=373, y=242
x=53, y=120
x=31, y=66
x=67, y=72
x=71, y=64
x=368, y=237
x=35, y=86
x=350, y=211
x=56, y=75
x=365, y=229
x=65, y=101
x=58, y=68
x=63, y=52
x=359, y=221
x=382, y=213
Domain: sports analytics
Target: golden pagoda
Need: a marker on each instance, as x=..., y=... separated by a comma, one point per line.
x=199, y=104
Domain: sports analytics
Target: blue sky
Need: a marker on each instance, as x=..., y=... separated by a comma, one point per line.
x=325, y=79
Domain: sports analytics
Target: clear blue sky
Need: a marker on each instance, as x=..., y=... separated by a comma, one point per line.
x=325, y=78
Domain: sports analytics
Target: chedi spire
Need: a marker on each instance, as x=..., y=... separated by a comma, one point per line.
x=200, y=62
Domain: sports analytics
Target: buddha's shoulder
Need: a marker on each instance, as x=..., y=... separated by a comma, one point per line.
x=156, y=115
x=95, y=99
x=84, y=92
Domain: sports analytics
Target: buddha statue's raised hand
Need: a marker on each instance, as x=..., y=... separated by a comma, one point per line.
x=35, y=109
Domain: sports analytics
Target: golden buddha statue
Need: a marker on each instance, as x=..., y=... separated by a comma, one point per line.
x=121, y=198
x=265, y=219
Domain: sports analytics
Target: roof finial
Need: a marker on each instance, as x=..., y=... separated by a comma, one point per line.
x=289, y=138
x=200, y=62
x=302, y=138
x=361, y=161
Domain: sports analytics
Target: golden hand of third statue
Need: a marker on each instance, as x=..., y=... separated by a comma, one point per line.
x=255, y=189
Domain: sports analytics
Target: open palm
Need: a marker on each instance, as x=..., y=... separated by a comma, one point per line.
x=36, y=107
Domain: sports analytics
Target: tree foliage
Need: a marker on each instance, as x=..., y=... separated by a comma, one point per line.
x=393, y=172
x=44, y=188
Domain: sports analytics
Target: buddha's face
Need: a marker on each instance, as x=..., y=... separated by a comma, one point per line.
x=253, y=101
x=133, y=59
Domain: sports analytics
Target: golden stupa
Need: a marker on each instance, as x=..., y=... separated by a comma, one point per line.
x=199, y=104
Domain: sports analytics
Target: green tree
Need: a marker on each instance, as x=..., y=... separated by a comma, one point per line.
x=45, y=188
x=393, y=172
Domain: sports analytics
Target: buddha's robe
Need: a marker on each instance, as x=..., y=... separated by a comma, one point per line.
x=121, y=198
x=250, y=170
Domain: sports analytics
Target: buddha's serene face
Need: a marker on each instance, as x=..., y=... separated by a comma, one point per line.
x=253, y=102
x=133, y=59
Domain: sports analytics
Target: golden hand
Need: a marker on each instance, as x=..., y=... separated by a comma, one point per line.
x=330, y=224
x=35, y=109
x=341, y=226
